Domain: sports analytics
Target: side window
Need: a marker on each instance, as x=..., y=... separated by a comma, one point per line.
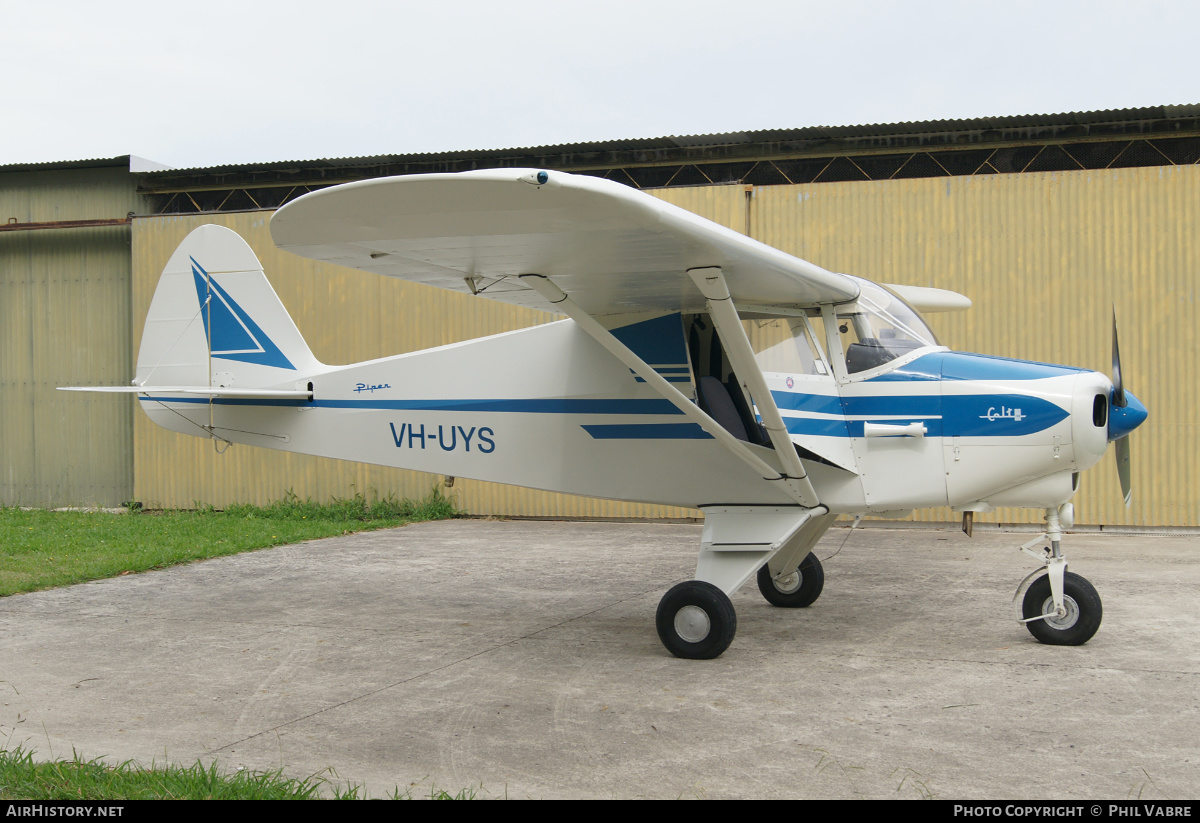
x=785, y=345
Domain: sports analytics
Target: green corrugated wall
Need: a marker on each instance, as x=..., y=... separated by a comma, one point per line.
x=65, y=320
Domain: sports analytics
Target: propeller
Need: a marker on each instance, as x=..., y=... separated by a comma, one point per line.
x=1125, y=414
x=1118, y=395
x=1123, y=470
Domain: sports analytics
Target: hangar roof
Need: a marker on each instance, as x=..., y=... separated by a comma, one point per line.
x=96, y=163
x=1160, y=135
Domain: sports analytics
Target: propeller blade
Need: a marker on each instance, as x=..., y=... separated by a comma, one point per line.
x=1118, y=397
x=1123, y=470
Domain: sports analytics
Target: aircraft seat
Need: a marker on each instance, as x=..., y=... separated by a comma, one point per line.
x=717, y=404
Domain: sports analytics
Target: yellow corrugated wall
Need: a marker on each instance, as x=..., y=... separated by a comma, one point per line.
x=1044, y=256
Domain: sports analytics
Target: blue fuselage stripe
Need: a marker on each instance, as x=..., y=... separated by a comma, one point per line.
x=915, y=405
x=530, y=406
x=817, y=426
x=953, y=365
x=983, y=415
x=953, y=415
x=229, y=401
x=815, y=403
x=648, y=431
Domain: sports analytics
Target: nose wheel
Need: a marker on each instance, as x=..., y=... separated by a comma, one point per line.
x=1060, y=608
x=1073, y=625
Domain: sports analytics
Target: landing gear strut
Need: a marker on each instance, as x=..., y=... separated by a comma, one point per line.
x=1059, y=608
x=696, y=619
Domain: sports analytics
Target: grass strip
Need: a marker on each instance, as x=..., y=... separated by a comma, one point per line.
x=23, y=778
x=43, y=549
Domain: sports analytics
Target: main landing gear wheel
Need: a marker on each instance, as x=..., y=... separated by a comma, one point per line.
x=696, y=620
x=796, y=590
x=1082, y=605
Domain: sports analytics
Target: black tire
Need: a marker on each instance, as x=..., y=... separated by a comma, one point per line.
x=794, y=593
x=1083, y=611
x=696, y=620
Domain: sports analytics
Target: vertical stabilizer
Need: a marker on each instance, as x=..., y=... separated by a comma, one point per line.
x=216, y=321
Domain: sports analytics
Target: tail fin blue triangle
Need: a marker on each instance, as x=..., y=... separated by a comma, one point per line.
x=232, y=334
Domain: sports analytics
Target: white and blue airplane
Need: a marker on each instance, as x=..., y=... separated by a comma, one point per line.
x=697, y=367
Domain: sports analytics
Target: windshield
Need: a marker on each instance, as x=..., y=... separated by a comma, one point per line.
x=876, y=329
x=879, y=328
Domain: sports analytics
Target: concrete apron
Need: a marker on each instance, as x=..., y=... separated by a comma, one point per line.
x=521, y=657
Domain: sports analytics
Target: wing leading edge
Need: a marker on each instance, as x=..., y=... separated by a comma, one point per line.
x=614, y=249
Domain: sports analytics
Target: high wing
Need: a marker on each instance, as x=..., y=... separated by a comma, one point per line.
x=614, y=249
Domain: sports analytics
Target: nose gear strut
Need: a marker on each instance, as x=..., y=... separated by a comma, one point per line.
x=1059, y=607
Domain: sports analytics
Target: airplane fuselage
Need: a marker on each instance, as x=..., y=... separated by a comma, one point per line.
x=548, y=408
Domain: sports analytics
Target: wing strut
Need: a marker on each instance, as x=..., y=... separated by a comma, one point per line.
x=802, y=491
x=712, y=285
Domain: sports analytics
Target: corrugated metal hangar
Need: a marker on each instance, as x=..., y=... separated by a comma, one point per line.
x=1044, y=221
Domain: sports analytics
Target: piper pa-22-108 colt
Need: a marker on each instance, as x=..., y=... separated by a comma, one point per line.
x=652, y=390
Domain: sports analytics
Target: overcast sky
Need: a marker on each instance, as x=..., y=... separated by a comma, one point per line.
x=202, y=84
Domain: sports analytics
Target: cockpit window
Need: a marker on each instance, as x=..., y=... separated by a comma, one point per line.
x=880, y=327
x=785, y=345
x=875, y=329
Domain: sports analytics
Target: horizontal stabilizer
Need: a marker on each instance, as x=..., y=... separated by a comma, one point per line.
x=215, y=391
x=925, y=299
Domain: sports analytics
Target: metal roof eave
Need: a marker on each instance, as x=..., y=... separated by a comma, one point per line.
x=812, y=141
